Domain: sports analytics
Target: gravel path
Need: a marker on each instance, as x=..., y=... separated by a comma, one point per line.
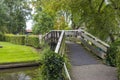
x=87, y=67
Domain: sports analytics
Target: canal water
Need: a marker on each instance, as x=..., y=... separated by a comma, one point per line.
x=28, y=73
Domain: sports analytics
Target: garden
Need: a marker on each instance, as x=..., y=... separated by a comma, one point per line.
x=22, y=21
x=24, y=49
x=13, y=53
x=19, y=48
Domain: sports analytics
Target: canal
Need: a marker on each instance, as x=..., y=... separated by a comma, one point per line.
x=27, y=73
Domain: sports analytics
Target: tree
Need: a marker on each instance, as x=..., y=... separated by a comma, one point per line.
x=60, y=24
x=54, y=9
x=100, y=17
x=43, y=23
x=3, y=16
x=14, y=14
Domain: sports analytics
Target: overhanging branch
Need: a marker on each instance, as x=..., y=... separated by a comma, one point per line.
x=100, y=6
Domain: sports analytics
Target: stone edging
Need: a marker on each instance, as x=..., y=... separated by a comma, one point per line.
x=18, y=65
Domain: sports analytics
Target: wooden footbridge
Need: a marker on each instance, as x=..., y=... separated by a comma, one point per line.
x=85, y=65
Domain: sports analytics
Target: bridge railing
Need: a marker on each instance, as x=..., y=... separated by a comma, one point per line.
x=52, y=38
x=57, y=37
x=60, y=49
x=96, y=45
x=93, y=43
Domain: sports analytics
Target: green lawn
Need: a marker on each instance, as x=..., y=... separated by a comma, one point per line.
x=17, y=53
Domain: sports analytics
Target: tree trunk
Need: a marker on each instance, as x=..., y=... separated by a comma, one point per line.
x=112, y=37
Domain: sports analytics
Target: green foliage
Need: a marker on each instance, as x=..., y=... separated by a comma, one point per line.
x=54, y=8
x=13, y=15
x=16, y=39
x=117, y=57
x=61, y=24
x=95, y=15
x=1, y=36
x=113, y=54
x=118, y=62
x=32, y=41
x=43, y=23
x=52, y=68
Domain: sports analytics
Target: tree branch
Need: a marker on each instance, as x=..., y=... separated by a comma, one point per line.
x=100, y=6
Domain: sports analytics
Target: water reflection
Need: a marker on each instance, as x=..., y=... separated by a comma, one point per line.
x=31, y=73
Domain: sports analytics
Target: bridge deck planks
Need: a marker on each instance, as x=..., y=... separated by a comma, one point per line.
x=87, y=67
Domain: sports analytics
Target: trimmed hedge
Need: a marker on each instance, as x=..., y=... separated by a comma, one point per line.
x=32, y=41
x=16, y=39
x=23, y=40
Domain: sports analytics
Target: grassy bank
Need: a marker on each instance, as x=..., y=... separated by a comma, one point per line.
x=17, y=53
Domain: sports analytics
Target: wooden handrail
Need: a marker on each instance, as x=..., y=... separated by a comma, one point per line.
x=101, y=47
x=59, y=42
x=85, y=36
x=57, y=50
x=93, y=37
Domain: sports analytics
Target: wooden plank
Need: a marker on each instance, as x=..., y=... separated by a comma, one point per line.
x=57, y=50
x=67, y=73
x=101, y=54
x=103, y=43
x=104, y=48
x=59, y=42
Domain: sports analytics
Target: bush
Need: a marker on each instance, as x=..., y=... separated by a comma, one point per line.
x=52, y=68
x=32, y=41
x=113, y=56
x=1, y=36
x=16, y=39
x=112, y=53
x=118, y=62
x=23, y=40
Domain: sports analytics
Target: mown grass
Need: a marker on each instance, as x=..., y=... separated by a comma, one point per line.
x=17, y=53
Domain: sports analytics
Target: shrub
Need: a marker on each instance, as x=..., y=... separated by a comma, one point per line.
x=111, y=55
x=16, y=39
x=1, y=36
x=32, y=41
x=118, y=62
x=52, y=68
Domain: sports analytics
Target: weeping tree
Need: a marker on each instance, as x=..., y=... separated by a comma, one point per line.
x=100, y=17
